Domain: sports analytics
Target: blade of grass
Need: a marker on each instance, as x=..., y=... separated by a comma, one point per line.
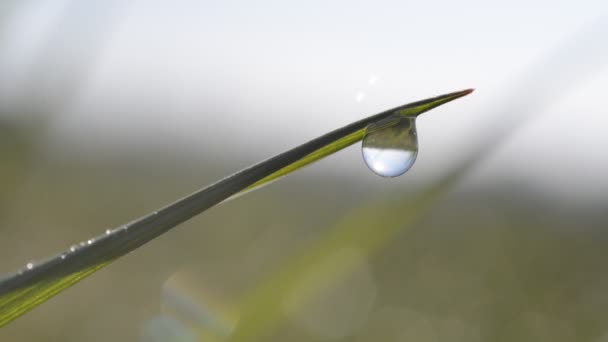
x=413, y=109
x=35, y=284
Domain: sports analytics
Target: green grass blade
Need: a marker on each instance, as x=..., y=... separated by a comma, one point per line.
x=32, y=286
x=413, y=109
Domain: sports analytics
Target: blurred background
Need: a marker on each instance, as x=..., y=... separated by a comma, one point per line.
x=110, y=110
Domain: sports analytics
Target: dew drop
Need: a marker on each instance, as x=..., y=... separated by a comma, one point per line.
x=372, y=80
x=90, y=241
x=360, y=96
x=73, y=248
x=108, y=231
x=390, y=147
x=29, y=265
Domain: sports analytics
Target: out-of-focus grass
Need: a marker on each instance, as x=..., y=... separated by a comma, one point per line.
x=15, y=149
x=487, y=264
x=499, y=274
x=492, y=265
x=365, y=229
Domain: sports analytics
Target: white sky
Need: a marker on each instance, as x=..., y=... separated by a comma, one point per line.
x=253, y=78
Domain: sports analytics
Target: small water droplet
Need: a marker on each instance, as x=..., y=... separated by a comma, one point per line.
x=390, y=147
x=360, y=96
x=63, y=256
x=90, y=241
x=29, y=265
x=108, y=231
x=372, y=80
x=82, y=243
x=73, y=248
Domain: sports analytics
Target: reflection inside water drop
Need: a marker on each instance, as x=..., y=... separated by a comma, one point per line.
x=391, y=146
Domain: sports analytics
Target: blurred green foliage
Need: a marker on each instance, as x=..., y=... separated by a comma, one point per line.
x=497, y=264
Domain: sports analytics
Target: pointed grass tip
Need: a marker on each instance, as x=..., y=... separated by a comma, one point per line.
x=467, y=91
x=461, y=93
x=416, y=108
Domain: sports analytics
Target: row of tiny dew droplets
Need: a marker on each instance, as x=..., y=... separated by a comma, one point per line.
x=74, y=248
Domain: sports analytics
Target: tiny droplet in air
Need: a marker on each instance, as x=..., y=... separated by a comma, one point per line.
x=390, y=146
x=360, y=96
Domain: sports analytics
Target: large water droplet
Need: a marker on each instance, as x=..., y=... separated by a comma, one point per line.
x=391, y=146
